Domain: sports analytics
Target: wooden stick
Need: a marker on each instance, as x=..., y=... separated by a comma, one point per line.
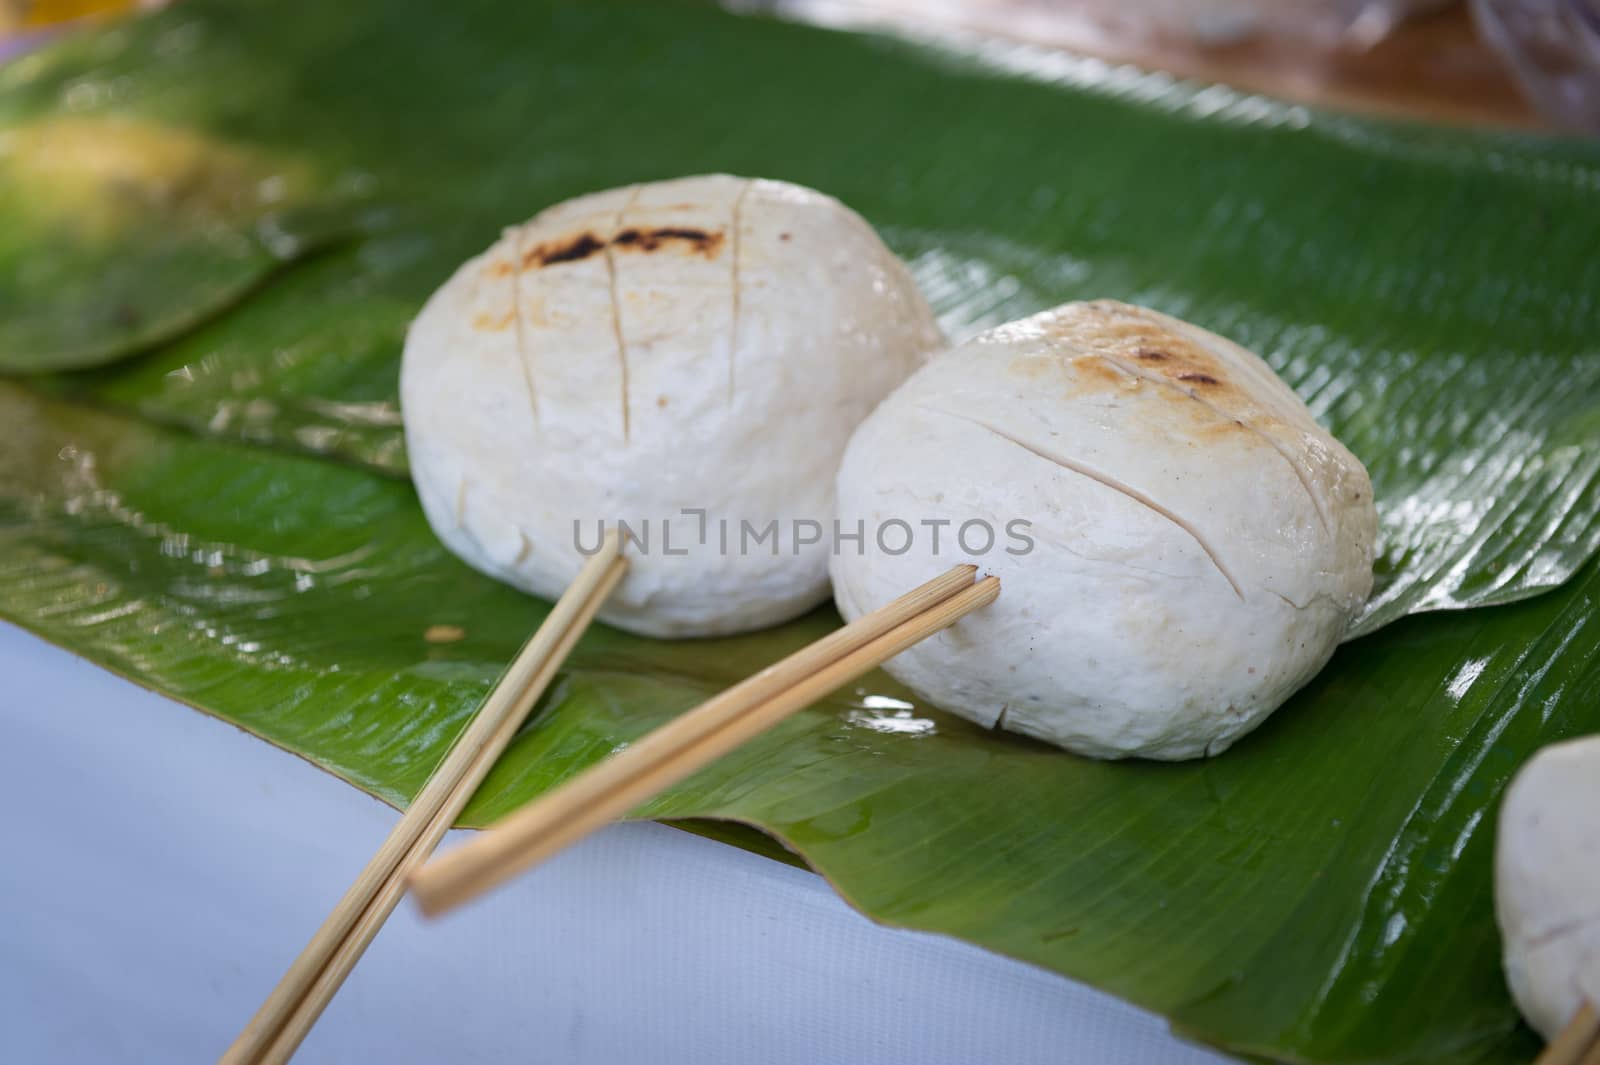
x=440, y=800
x=1578, y=1042
x=349, y=951
x=328, y=981
x=1593, y=1056
x=618, y=784
x=366, y=927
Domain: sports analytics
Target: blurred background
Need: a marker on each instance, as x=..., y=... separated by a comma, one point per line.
x=1525, y=63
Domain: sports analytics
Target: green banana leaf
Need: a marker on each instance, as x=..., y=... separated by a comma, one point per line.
x=1432, y=293
x=118, y=231
x=1319, y=894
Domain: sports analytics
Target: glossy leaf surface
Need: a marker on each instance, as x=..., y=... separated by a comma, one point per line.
x=1431, y=293
x=1320, y=893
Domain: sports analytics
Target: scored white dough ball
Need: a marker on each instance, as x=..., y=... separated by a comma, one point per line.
x=705, y=343
x=1199, y=543
x=1547, y=883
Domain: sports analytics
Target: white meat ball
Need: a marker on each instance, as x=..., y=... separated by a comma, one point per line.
x=1199, y=543
x=1547, y=883
x=707, y=344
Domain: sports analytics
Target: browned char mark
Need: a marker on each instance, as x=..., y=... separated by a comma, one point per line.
x=568, y=250
x=634, y=238
x=698, y=240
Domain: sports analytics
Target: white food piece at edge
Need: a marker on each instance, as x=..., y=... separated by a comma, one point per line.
x=708, y=342
x=1200, y=542
x=1547, y=883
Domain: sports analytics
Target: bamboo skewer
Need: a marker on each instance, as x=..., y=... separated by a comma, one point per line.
x=1578, y=1043
x=370, y=922
x=671, y=753
x=313, y=978
x=1593, y=1056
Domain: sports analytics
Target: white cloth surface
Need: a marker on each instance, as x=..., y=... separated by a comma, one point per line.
x=162, y=868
